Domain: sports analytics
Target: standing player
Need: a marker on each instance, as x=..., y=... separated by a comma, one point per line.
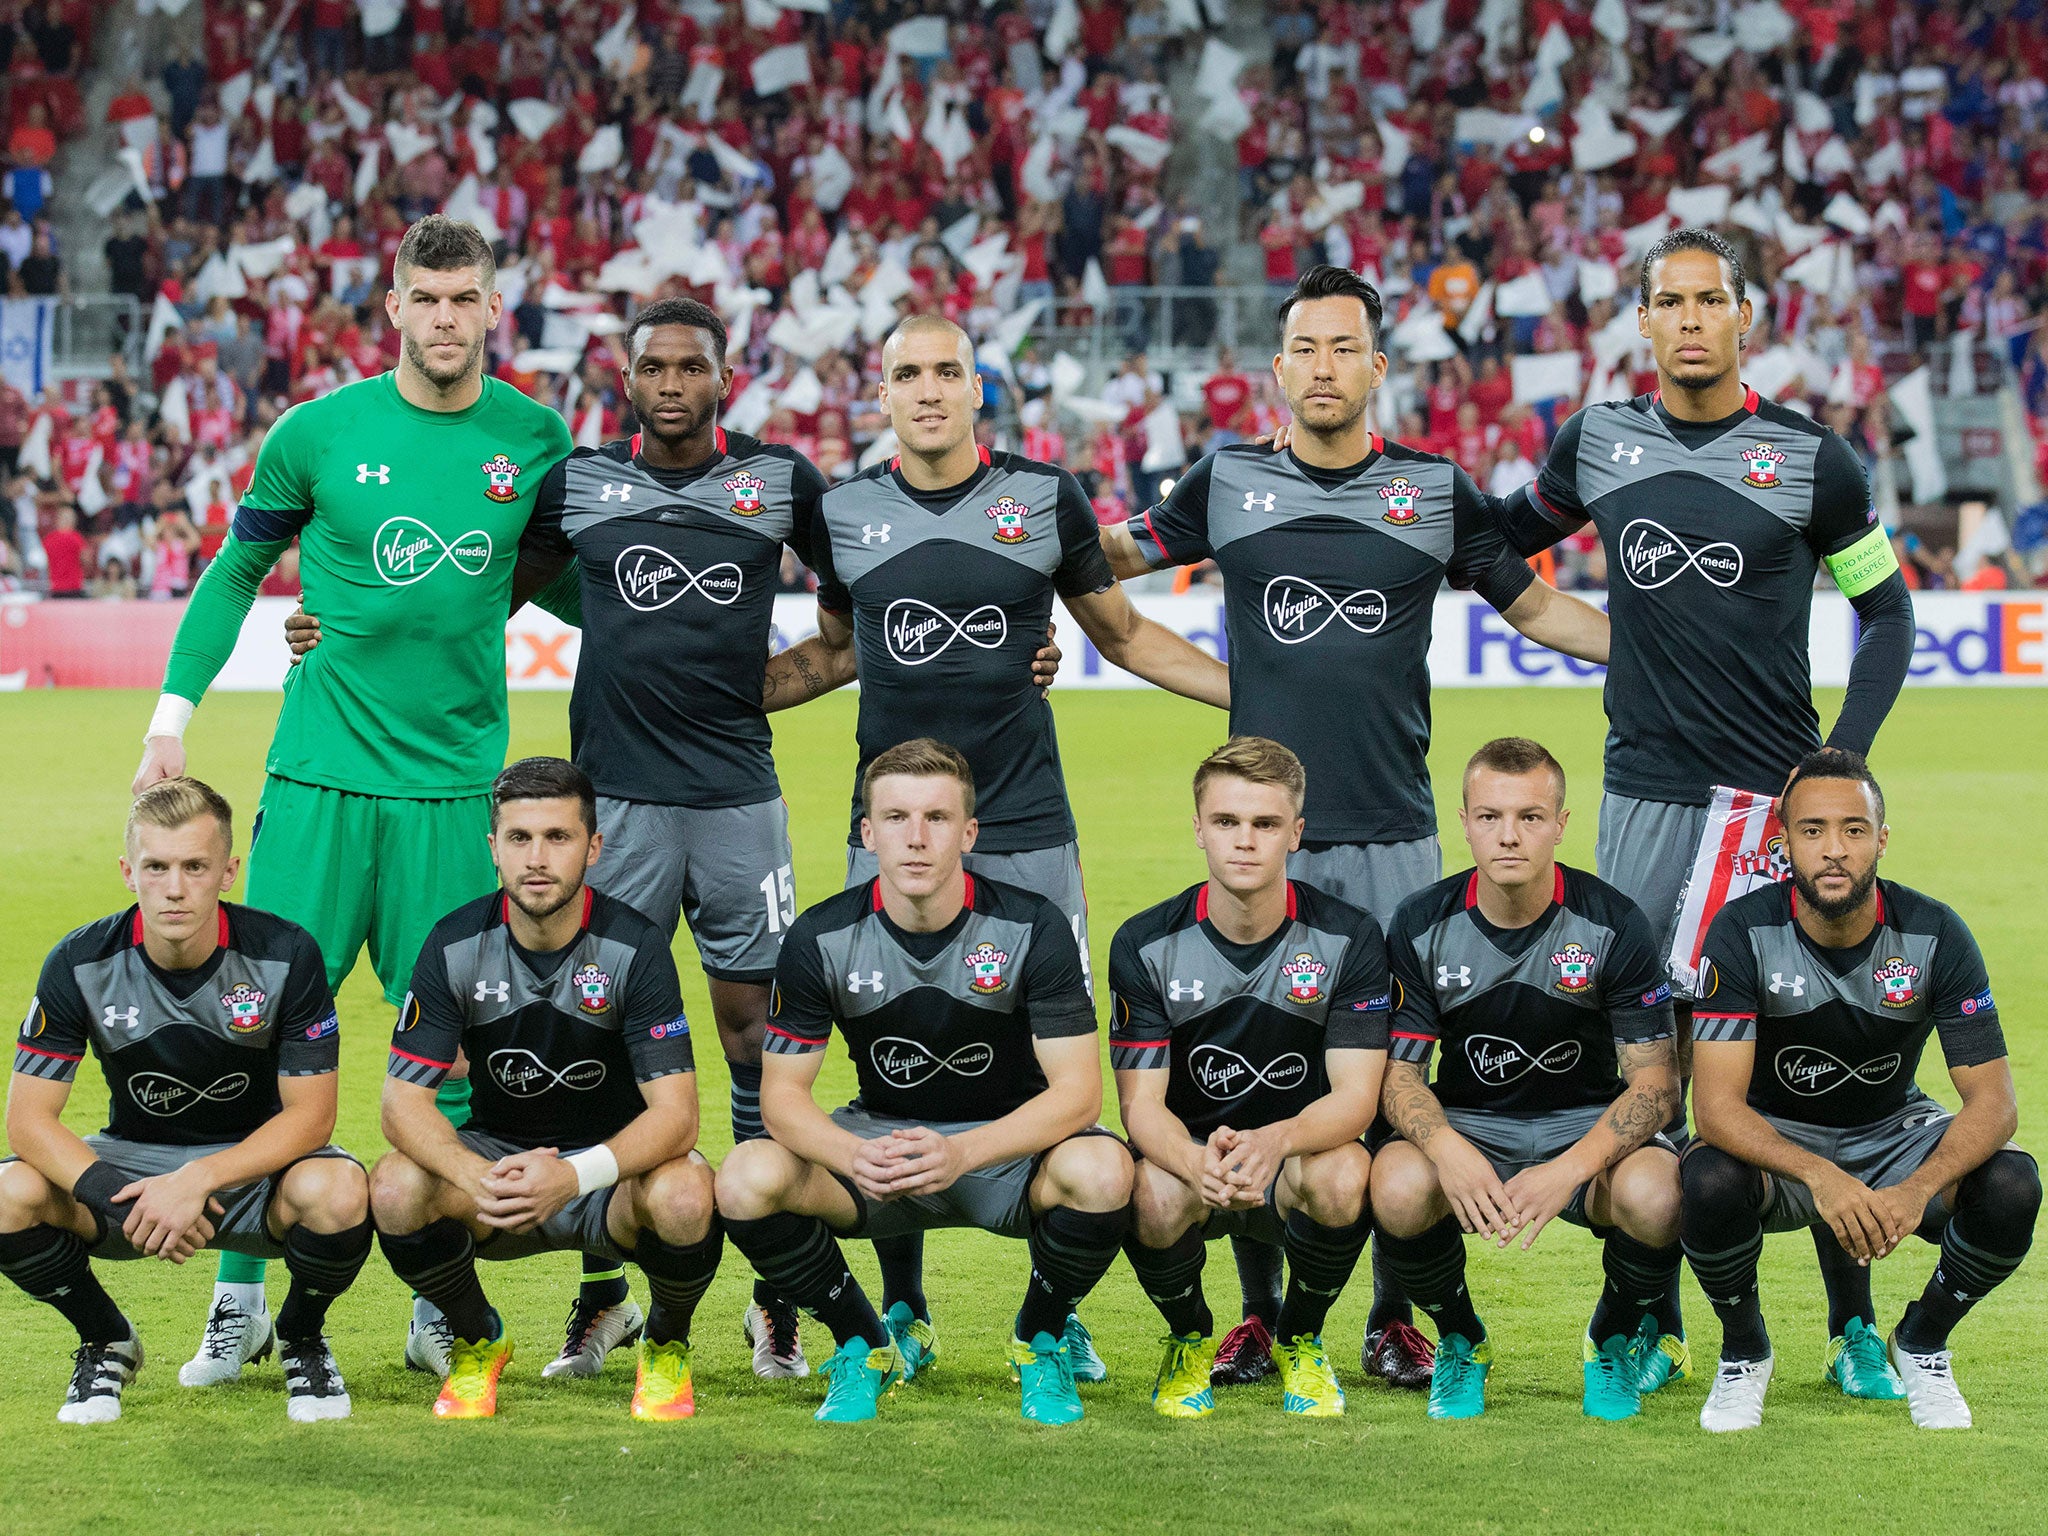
x=1558, y=1069
x=216, y=1030
x=585, y=1109
x=1816, y=1001
x=408, y=493
x=948, y=558
x=1249, y=1034
x=965, y=1006
x=1717, y=508
x=1332, y=553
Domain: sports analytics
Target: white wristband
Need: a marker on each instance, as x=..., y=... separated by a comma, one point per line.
x=595, y=1167
x=172, y=715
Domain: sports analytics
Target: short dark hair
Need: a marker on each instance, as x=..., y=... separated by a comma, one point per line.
x=1692, y=240
x=1834, y=763
x=442, y=244
x=1324, y=281
x=544, y=778
x=922, y=757
x=1516, y=754
x=690, y=312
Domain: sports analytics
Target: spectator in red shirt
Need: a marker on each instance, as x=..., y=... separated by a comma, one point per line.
x=67, y=552
x=1227, y=393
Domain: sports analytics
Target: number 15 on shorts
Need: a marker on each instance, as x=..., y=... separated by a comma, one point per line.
x=778, y=890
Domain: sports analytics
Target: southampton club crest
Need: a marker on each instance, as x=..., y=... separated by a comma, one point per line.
x=1574, y=969
x=987, y=962
x=245, y=1008
x=1400, y=495
x=501, y=472
x=1895, y=980
x=1770, y=861
x=593, y=989
x=745, y=490
x=1009, y=514
x=1304, y=975
x=1763, y=461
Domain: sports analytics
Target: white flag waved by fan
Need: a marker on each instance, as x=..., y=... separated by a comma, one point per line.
x=1742, y=849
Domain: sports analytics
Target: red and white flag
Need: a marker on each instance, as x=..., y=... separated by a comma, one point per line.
x=1742, y=847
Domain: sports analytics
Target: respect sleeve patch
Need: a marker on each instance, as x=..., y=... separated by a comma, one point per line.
x=1863, y=564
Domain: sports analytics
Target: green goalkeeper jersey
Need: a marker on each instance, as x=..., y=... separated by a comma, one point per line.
x=408, y=523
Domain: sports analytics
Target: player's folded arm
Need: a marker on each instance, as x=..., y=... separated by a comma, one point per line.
x=1547, y=509
x=664, y=1065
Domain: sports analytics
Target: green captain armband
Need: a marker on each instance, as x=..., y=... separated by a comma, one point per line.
x=1863, y=564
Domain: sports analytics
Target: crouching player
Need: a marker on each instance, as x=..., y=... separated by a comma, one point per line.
x=1559, y=1066
x=1817, y=1000
x=1249, y=1033
x=965, y=1008
x=217, y=1034
x=584, y=1108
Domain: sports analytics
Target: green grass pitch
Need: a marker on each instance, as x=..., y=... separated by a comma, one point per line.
x=1968, y=795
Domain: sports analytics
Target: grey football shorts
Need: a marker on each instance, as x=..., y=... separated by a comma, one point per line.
x=1515, y=1142
x=1881, y=1154
x=727, y=870
x=1375, y=876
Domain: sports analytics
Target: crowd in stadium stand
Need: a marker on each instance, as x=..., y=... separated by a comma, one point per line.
x=1882, y=164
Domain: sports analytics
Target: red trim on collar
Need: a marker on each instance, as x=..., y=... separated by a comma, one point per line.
x=589, y=901
x=1472, y=890
x=875, y=894
x=717, y=442
x=979, y=452
x=1750, y=399
x=136, y=934
x=1557, y=885
x=1290, y=901
x=1202, y=903
x=966, y=891
x=1377, y=444
x=1875, y=890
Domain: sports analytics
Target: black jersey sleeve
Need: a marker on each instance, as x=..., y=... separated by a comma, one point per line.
x=833, y=595
x=1637, y=990
x=1363, y=997
x=807, y=489
x=1176, y=532
x=308, y=1028
x=1139, y=1034
x=1480, y=558
x=657, y=1030
x=544, y=543
x=1845, y=534
x=1727, y=1006
x=1842, y=511
x=800, y=1005
x=1548, y=508
x=1965, y=1017
x=1056, y=980
x=56, y=1033
x=1083, y=567
x=1413, y=1028
x=430, y=1023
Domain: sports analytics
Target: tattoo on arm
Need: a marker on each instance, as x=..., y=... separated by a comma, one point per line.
x=1411, y=1108
x=814, y=680
x=1646, y=1107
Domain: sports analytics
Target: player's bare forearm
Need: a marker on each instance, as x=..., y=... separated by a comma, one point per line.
x=1157, y=1132
x=807, y=669
x=1720, y=1106
x=665, y=1130
x=1122, y=551
x=414, y=1125
x=1989, y=1115
x=1068, y=1105
x=302, y=1126
x=1566, y=624
x=790, y=1111
x=1412, y=1109
x=1152, y=651
x=38, y=1137
x=1649, y=1098
x=1345, y=1112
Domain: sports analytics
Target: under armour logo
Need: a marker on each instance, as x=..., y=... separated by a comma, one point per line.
x=625, y=492
x=121, y=1018
x=493, y=991
x=870, y=534
x=1461, y=977
x=857, y=983
x=1633, y=455
x=381, y=474
x=522, y=1074
x=1796, y=986
x=1190, y=991
x=1259, y=501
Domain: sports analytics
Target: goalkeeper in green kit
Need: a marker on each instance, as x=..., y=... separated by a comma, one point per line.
x=408, y=493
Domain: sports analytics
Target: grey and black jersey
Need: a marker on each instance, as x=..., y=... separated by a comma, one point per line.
x=951, y=593
x=192, y=1058
x=1839, y=1032
x=940, y=1025
x=1330, y=580
x=677, y=573
x=559, y=1043
x=1713, y=532
x=1244, y=1030
x=1529, y=1019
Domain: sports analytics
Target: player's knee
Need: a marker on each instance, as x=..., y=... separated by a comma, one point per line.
x=676, y=1200
x=2007, y=1185
x=1403, y=1189
x=754, y=1180
x=401, y=1192
x=326, y=1194
x=1334, y=1183
x=1162, y=1207
x=1089, y=1173
x=1712, y=1181
x=24, y=1196
x=1645, y=1194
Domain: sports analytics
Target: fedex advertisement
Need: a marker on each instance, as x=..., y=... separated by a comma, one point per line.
x=1964, y=638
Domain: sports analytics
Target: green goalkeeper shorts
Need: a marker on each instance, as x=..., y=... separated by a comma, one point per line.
x=356, y=869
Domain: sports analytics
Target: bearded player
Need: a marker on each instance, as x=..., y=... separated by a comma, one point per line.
x=1717, y=509
x=408, y=493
